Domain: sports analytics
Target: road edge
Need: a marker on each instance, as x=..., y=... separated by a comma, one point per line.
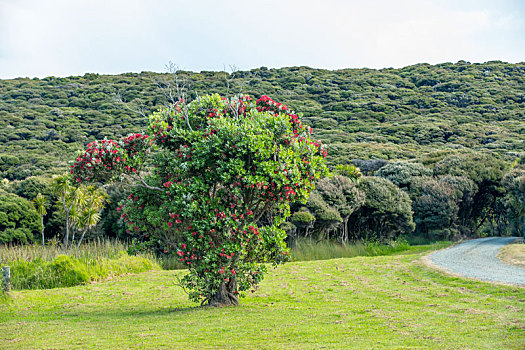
x=426, y=261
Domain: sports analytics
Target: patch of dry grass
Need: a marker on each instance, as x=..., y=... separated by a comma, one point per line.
x=513, y=254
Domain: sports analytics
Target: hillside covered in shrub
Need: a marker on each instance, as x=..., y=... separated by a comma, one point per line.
x=404, y=113
x=439, y=149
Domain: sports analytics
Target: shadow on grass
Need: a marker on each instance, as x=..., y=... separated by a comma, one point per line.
x=139, y=316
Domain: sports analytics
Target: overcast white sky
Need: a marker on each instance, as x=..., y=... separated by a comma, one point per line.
x=72, y=37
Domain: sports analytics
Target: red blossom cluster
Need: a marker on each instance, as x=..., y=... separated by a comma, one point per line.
x=134, y=144
x=160, y=133
x=103, y=159
x=240, y=106
x=187, y=256
x=98, y=160
x=265, y=103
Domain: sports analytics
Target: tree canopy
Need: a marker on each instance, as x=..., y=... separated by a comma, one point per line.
x=212, y=182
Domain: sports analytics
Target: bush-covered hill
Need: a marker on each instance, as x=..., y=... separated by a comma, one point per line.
x=361, y=113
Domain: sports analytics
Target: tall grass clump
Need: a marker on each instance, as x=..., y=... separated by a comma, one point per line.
x=91, y=251
x=305, y=250
x=44, y=267
x=169, y=262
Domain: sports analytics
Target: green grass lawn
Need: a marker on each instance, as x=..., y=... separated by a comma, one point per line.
x=364, y=302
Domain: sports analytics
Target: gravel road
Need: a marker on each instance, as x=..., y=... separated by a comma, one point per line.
x=477, y=259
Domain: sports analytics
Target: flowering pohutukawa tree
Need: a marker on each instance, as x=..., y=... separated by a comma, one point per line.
x=222, y=175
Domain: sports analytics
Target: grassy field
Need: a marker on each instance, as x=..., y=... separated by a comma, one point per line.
x=364, y=302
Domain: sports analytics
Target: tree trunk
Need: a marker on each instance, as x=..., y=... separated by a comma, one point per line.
x=66, y=237
x=345, y=229
x=66, y=210
x=81, y=238
x=73, y=236
x=227, y=295
x=42, y=224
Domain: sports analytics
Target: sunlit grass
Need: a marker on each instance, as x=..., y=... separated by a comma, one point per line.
x=386, y=302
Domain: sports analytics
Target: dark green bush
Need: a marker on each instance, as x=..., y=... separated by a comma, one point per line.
x=19, y=221
x=385, y=214
x=302, y=217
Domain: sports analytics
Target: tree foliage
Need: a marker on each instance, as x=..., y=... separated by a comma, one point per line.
x=80, y=204
x=86, y=212
x=222, y=175
x=341, y=198
x=402, y=173
x=514, y=183
x=40, y=204
x=459, y=119
x=19, y=221
x=486, y=171
x=386, y=212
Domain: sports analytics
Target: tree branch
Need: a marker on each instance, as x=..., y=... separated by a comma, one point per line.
x=138, y=109
x=141, y=184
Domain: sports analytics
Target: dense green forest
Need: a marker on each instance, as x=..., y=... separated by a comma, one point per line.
x=360, y=113
x=439, y=146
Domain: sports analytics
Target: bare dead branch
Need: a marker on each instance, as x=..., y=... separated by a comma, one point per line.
x=133, y=107
x=142, y=183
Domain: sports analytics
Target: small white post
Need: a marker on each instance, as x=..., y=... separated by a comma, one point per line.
x=6, y=274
